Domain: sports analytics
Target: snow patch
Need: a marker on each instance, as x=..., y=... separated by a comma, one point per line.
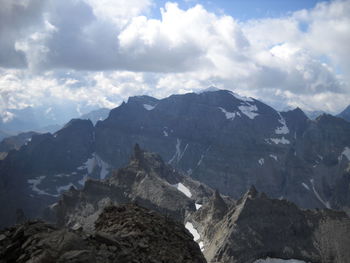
x=200, y=160
x=201, y=245
x=306, y=186
x=280, y=141
x=326, y=204
x=62, y=175
x=183, y=189
x=35, y=183
x=177, y=151
x=182, y=154
x=64, y=188
x=53, y=206
x=261, y=161
x=193, y=231
x=83, y=180
x=103, y=165
x=284, y=128
x=229, y=115
x=210, y=89
x=346, y=153
x=92, y=163
x=278, y=260
x=273, y=157
x=148, y=107
x=198, y=206
x=202, y=156
x=242, y=98
x=178, y=154
x=249, y=111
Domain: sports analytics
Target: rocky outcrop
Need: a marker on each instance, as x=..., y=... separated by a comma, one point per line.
x=259, y=227
x=125, y=233
x=146, y=180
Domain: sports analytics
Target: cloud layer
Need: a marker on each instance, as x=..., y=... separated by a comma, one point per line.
x=100, y=52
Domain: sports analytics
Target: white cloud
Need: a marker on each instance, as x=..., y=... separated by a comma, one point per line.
x=121, y=11
x=101, y=52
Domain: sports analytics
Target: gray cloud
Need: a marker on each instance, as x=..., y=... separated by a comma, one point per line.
x=17, y=19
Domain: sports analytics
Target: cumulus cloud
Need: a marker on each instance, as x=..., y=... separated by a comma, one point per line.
x=101, y=52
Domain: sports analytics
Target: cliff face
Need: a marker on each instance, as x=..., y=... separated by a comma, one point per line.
x=259, y=227
x=126, y=233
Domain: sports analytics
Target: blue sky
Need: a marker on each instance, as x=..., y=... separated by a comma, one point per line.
x=97, y=53
x=246, y=9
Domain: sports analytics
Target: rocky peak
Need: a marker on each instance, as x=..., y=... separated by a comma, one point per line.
x=252, y=192
x=146, y=180
x=218, y=207
x=153, y=163
x=142, y=100
x=326, y=120
x=15, y=142
x=297, y=121
x=77, y=124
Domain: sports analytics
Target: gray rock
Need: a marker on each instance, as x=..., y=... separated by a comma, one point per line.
x=259, y=227
x=125, y=233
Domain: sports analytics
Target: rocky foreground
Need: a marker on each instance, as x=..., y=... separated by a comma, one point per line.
x=125, y=233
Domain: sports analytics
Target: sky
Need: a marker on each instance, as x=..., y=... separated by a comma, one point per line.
x=97, y=53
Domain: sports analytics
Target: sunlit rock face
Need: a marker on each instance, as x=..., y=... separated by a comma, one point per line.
x=260, y=229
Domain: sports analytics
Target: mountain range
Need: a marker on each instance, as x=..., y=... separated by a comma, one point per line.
x=218, y=138
x=139, y=214
x=44, y=118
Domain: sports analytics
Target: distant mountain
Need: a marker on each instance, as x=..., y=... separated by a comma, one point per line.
x=43, y=118
x=345, y=114
x=15, y=142
x=314, y=114
x=96, y=115
x=219, y=138
x=3, y=135
x=29, y=119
